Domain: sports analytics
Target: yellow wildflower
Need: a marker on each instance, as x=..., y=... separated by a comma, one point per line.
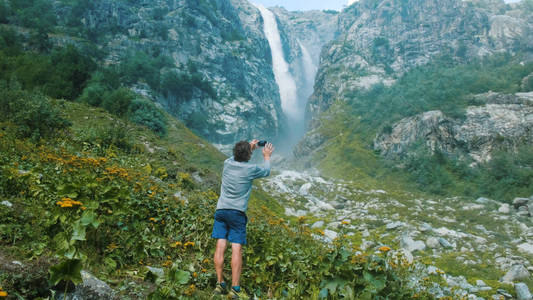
x=3, y=294
x=189, y=244
x=194, y=274
x=176, y=244
x=153, y=219
x=345, y=222
x=384, y=249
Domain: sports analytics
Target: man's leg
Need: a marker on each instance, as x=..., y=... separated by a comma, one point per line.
x=219, y=259
x=236, y=264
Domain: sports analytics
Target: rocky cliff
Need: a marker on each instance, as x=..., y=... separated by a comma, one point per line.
x=379, y=40
x=221, y=41
x=503, y=122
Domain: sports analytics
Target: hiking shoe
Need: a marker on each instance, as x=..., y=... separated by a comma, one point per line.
x=233, y=294
x=220, y=290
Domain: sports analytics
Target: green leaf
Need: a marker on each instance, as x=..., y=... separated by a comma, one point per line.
x=376, y=282
x=69, y=270
x=79, y=232
x=180, y=276
x=90, y=218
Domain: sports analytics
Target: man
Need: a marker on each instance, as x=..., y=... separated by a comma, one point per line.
x=230, y=216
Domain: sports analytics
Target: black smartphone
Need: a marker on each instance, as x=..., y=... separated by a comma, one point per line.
x=261, y=143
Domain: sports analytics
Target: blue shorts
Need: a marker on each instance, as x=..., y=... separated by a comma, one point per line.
x=230, y=224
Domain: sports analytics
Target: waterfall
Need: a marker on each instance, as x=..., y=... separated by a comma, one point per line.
x=282, y=74
x=310, y=70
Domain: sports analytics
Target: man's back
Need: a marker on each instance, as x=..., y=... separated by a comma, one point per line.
x=237, y=180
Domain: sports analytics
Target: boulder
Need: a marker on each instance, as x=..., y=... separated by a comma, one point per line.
x=526, y=248
x=445, y=243
x=317, y=224
x=92, y=288
x=432, y=242
x=304, y=189
x=411, y=245
x=504, y=208
x=394, y=225
x=330, y=234
x=522, y=291
x=517, y=202
x=517, y=272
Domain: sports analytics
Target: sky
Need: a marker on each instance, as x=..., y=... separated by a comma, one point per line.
x=312, y=4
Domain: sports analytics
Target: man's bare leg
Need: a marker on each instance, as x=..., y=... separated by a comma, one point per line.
x=236, y=264
x=219, y=259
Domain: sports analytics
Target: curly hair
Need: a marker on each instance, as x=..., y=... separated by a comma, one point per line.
x=242, y=151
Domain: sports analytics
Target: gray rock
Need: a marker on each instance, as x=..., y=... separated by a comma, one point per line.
x=504, y=208
x=518, y=202
x=504, y=293
x=526, y=248
x=304, y=189
x=517, y=272
x=158, y=272
x=93, y=288
x=317, y=224
x=530, y=208
x=330, y=234
x=480, y=283
x=522, y=291
x=6, y=203
x=395, y=225
x=497, y=297
x=444, y=243
x=482, y=200
x=425, y=227
x=432, y=242
x=411, y=245
x=17, y=263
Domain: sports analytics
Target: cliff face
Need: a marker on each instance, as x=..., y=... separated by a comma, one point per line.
x=220, y=40
x=379, y=40
x=503, y=122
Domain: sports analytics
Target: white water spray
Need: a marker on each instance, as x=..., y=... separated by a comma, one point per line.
x=310, y=70
x=284, y=79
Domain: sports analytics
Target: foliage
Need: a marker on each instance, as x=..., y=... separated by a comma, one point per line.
x=142, y=66
x=33, y=13
x=118, y=101
x=108, y=210
x=35, y=114
x=145, y=112
x=182, y=85
x=60, y=74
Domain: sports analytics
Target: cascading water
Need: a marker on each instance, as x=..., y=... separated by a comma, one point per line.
x=286, y=83
x=310, y=70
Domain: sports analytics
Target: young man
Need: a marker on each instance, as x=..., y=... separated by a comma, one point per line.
x=230, y=216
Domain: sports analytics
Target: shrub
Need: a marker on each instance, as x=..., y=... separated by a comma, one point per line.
x=118, y=102
x=71, y=70
x=144, y=112
x=35, y=114
x=5, y=12
x=103, y=138
x=93, y=94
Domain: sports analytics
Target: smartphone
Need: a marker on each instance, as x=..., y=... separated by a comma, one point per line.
x=261, y=143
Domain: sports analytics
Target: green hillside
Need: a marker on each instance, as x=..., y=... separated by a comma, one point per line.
x=97, y=192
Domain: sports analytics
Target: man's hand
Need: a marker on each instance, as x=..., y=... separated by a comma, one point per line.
x=267, y=151
x=253, y=144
